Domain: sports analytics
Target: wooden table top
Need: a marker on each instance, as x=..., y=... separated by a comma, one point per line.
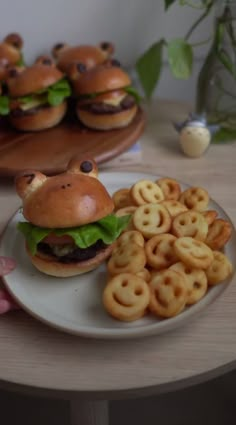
x=37, y=358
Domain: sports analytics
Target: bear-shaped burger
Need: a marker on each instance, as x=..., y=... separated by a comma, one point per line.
x=70, y=227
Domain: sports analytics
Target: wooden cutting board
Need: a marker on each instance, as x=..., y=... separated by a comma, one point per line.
x=50, y=150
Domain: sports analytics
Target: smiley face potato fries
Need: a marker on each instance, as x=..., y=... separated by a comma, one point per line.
x=170, y=254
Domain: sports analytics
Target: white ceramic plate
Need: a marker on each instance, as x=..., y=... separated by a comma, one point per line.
x=74, y=304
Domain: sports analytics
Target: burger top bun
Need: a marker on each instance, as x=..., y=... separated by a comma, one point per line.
x=22, y=82
x=100, y=79
x=10, y=49
x=73, y=198
x=90, y=56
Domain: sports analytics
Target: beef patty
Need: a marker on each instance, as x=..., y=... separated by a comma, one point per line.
x=75, y=256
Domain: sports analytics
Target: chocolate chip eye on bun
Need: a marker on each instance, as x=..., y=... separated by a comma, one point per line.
x=37, y=96
x=89, y=55
x=70, y=227
x=106, y=99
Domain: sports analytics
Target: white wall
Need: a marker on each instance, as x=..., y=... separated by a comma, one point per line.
x=131, y=24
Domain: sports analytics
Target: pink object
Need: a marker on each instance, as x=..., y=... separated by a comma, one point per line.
x=7, y=303
x=7, y=264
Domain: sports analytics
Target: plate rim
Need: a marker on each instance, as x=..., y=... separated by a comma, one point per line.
x=130, y=332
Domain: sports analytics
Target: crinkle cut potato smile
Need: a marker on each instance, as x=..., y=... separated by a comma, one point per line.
x=173, y=243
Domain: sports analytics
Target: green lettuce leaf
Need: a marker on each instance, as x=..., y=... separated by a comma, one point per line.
x=58, y=92
x=42, y=97
x=54, y=94
x=4, y=105
x=108, y=229
x=21, y=61
x=33, y=234
x=133, y=92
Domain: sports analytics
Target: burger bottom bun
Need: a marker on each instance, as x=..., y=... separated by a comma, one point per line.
x=41, y=119
x=106, y=121
x=48, y=265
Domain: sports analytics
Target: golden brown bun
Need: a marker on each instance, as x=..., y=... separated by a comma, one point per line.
x=100, y=79
x=45, y=117
x=32, y=79
x=67, y=200
x=90, y=56
x=106, y=121
x=9, y=54
x=48, y=265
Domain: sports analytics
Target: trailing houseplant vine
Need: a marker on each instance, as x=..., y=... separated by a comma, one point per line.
x=180, y=54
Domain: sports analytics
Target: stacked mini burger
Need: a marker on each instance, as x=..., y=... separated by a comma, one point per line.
x=105, y=98
x=37, y=96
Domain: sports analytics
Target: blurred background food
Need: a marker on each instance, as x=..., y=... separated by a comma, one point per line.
x=132, y=25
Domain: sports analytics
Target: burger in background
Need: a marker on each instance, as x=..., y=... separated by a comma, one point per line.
x=10, y=55
x=88, y=55
x=37, y=96
x=106, y=99
x=70, y=227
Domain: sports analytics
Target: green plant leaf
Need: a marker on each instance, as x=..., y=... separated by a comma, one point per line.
x=149, y=66
x=224, y=135
x=180, y=57
x=225, y=59
x=207, y=2
x=169, y=3
x=21, y=61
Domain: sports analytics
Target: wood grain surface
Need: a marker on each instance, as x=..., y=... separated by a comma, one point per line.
x=36, y=358
x=50, y=150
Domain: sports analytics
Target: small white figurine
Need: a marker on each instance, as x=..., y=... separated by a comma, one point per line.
x=195, y=135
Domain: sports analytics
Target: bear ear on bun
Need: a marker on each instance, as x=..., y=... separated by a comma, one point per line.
x=86, y=54
x=28, y=181
x=80, y=165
